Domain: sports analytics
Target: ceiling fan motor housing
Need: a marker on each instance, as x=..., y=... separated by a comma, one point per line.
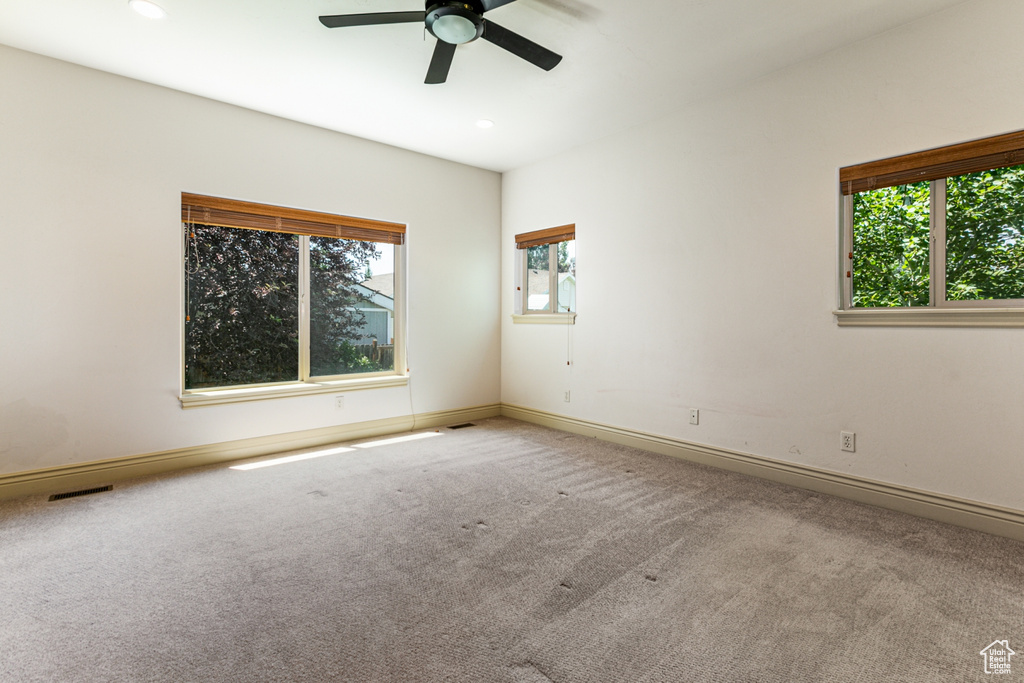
x=454, y=22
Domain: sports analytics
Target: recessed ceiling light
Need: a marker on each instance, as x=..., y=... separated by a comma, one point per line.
x=485, y=123
x=148, y=9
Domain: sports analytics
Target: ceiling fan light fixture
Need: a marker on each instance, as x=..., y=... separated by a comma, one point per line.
x=485, y=123
x=454, y=29
x=148, y=9
x=454, y=23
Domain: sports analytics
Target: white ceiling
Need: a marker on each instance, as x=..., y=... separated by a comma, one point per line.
x=624, y=62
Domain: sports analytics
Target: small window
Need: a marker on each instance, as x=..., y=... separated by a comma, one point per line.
x=547, y=279
x=937, y=230
x=277, y=296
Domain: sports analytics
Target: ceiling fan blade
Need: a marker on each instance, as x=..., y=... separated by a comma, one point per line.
x=440, y=63
x=521, y=47
x=374, y=19
x=494, y=4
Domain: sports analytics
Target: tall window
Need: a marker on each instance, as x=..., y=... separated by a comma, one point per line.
x=548, y=277
x=278, y=296
x=937, y=229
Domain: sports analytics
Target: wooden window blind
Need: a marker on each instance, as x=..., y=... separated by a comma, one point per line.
x=231, y=213
x=943, y=162
x=562, y=233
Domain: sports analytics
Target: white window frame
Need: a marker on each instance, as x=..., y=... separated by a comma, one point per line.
x=941, y=312
x=305, y=385
x=551, y=316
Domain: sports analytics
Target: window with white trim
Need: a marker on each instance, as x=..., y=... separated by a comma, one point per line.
x=278, y=297
x=942, y=229
x=546, y=283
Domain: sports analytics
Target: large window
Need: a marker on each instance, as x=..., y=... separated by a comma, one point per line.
x=279, y=297
x=937, y=230
x=547, y=277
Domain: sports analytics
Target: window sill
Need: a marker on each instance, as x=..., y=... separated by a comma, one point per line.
x=544, y=319
x=216, y=397
x=931, y=317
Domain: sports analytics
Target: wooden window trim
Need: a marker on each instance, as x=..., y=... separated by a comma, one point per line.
x=232, y=213
x=562, y=233
x=999, y=151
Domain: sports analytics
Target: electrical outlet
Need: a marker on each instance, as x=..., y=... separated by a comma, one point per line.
x=339, y=402
x=848, y=441
x=694, y=416
x=567, y=396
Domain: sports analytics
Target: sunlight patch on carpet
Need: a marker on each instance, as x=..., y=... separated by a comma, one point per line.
x=397, y=439
x=291, y=458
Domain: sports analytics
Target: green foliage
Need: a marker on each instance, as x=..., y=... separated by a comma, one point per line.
x=242, y=307
x=565, y=264
x=890, y=246
x=984, y=245
x=345, y=358
x=336, y=267
x=242, y=304
x=539, y=258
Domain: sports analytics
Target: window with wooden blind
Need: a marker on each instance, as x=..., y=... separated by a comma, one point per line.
x=281, y=301
x=935, y=237
x=546, y=265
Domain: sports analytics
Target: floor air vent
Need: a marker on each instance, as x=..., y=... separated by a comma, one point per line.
x=462, y=426
x=83, y=492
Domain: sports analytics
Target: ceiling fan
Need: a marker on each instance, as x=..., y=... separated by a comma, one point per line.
x=454, y=23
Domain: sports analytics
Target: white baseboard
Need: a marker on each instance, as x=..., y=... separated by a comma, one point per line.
x=100, y=473
x=991, y=519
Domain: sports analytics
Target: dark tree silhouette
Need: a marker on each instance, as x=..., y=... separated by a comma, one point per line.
x=242, y=324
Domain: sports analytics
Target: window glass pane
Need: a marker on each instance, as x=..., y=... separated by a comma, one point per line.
x=242, y=307
x=890, y=246
x=984, y=241
x=567, y=276
x=352, y=307
x=538, y=282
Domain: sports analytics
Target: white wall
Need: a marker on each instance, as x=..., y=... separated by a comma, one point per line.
x=721, y=221
x=91, y=170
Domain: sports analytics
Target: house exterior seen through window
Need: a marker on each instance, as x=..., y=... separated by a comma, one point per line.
x=551, y=268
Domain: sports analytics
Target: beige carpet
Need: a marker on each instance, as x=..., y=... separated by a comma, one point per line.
x=502, y=552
